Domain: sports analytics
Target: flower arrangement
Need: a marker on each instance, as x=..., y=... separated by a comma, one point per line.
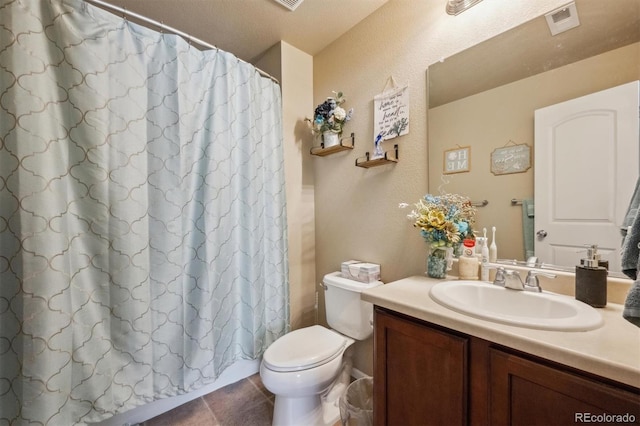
x=329, y=116
x=443, y=220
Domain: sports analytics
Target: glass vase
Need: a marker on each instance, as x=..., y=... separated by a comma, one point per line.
x=439, y=262
x=458, y=249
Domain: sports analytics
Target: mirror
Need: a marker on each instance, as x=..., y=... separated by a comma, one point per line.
x=494, y=87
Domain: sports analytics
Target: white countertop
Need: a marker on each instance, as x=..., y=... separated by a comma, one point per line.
x=611, y=351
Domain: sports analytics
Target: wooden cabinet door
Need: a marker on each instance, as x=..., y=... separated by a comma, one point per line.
x=524, y=392
x=420, y=373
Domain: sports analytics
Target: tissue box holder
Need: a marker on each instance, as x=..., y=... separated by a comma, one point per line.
x=360, y=271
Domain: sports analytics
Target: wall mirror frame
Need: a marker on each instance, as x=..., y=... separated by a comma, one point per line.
x=494, y=88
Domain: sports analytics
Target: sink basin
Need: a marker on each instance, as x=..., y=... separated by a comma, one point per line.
x=546, y=311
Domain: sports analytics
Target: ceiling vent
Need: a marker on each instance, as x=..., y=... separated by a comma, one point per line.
x=562, y=19
x=289, y=4
x=455, y=7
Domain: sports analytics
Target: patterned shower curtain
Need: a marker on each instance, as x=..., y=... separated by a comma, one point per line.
x=142, y=214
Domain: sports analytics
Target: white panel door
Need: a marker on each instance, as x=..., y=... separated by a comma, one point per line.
x=587, y=160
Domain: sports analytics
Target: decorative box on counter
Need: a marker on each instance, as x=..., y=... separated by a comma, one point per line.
x=360, y=271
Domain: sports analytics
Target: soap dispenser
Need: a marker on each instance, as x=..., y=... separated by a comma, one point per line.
x=591, y=280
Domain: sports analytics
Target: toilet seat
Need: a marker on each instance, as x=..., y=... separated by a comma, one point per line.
x=303, y=349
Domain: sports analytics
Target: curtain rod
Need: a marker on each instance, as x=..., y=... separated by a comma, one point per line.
x=167, y=28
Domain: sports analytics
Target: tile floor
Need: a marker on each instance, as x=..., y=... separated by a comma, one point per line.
x=244, y=403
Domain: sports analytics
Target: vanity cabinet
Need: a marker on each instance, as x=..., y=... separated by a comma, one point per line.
x=429, y=375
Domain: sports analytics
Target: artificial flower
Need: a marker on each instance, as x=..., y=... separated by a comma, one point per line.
x=330, y=116
x=443, y=220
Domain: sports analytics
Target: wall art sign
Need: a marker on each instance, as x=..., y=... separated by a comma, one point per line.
x=391, y=111
x=457, y=160
x=511, y=159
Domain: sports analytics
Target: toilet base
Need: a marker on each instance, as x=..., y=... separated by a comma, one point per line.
x=288, y=411
x=313, y=411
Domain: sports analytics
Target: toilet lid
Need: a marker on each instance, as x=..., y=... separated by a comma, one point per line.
x=304, y=348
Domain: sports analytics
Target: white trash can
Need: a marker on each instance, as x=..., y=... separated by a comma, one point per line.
x=356, y=405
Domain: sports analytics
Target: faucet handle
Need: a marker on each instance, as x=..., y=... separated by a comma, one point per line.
x=500, y=278
x=532, y=279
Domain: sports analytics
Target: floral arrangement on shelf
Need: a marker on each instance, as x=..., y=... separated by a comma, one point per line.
x=329, y=116
x=444, y=220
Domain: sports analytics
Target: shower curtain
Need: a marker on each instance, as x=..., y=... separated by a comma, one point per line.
x=142, y=214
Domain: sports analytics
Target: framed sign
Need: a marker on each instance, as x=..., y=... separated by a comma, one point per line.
x=391, y=112
x=511, y=159
x=457, y=160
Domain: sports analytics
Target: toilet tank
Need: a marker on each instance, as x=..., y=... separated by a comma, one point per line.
x=345, y=312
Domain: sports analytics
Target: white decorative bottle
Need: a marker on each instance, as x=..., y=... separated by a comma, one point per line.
x=468, y=262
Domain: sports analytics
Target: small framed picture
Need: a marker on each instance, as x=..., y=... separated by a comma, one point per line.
x=511, y=159
x=457, y=160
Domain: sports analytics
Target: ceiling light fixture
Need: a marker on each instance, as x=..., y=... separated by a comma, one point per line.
x=455, y=7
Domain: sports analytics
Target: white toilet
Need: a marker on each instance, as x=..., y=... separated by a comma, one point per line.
x=301, y=366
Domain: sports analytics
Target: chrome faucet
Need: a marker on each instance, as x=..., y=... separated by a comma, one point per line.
x=511, y=279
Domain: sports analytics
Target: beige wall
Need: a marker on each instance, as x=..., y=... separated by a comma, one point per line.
x=294, y=69
x=494, y=118
x=356, y=209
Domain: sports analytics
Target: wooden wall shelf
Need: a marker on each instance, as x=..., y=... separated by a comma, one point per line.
x=345, y=144
x=389, y=157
